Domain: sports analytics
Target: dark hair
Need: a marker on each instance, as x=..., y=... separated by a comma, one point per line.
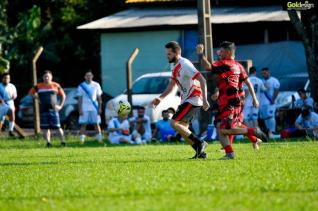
x=171, y=110
x=89, y=71
x=301, y=90
x=164, y=111
x=305, y=112
x=47, y=72
x=174, y=46
x=5, y=74
x=141, y=108
x=252, y=70
x=265, y=69
x=229, y=46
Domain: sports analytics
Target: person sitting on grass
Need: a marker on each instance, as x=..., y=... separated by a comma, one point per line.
x=163, y=129
x=306, y=125
x=141, y=125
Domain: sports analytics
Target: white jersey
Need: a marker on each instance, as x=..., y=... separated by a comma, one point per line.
x=271, y=85
x=259, y=88
x=11, y=93
x=115, y=123
x=94, y=90
x=184, y=74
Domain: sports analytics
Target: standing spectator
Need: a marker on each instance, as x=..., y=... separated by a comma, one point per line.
x=268, y=107
x=90, y=106
x=250, y=111
x=141, y=125
x=304, y=100
x=164, y=129
x=8, y=93
x=49, y=108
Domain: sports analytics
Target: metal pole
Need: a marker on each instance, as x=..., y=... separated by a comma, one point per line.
x=205, y=37
x=35, y=99
x=129, y=74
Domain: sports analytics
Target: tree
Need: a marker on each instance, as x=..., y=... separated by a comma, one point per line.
x=307, y=29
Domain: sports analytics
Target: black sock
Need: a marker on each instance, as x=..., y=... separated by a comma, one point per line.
x=195, y=139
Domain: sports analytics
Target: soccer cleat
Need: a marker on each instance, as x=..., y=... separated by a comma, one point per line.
x=259, y=134
x=201, y=148
x=229, y=156
x=11, y=134
x=257, y=144
x=48, y=145
x=63, y=144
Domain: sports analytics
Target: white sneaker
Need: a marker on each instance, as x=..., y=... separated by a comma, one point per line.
x=257, y=144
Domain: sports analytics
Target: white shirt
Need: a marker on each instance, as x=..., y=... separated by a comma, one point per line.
x=185, y=74
x=311, y=122
x=11, y=93
x=115, y=123
x=271, y=84
x=95, y=90
x=259, y=88
x=300, y=103
x=146, y=124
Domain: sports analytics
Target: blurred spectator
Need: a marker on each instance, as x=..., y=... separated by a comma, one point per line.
x=141, y=125
x=267, y=101
x=8, y=93
x=250, y=112
x=306, y=125
x=171, y=112
x=118, y=128
x=304, y=100
x=163, y=129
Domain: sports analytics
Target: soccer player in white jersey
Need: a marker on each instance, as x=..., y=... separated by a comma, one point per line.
x=192, y=86
x=250, y=111
x=268, y=107
x=90, y=106
x=8, y=93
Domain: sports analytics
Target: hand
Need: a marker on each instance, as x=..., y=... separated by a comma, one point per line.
x=200, y=49
x=255, y=103
x=206, y=105
x=58, y=107
x=156, y=101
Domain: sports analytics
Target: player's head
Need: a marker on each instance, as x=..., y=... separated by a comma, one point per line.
x=141, y=111
x=265, y=72
x=5, y=78
x=47, y=76
x=173, y=51
x=89, y=76
x=302, y=93
x=252, y=70
x=226, y=50
x=165, y=115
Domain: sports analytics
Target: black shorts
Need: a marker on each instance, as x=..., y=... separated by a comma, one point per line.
x=186, y=112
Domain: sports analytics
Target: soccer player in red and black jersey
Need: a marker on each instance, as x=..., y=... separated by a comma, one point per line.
x=230, y=75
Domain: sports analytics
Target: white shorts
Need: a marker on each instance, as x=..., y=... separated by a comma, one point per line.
x=89, y=117
x=3, y=111
x=250, y=113
x=267, y=111
x=115, y=139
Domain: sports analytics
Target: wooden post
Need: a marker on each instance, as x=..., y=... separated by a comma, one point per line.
x=36, y=109
x=129, y=74
x=205, y=37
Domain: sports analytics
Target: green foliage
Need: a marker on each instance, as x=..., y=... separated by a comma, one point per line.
x=4, y=65
x=281, y=176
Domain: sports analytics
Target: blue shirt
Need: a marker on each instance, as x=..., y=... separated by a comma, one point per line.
x=165, y=129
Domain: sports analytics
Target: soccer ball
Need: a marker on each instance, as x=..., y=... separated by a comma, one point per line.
x=124, y=108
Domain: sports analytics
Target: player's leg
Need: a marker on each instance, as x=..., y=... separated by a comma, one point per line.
x=47, y=137
x=94, y=118
x=82, y=121
x=11, y=117
x=54, y=119
x=82, y=133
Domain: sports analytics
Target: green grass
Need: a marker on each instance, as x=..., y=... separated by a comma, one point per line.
x=282, y=176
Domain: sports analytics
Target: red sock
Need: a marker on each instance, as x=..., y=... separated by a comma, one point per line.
x=231, y=138
x=250, y=137
x=250, y=132
x=228, y=149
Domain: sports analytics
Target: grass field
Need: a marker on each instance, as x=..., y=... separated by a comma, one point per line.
x=282, y=176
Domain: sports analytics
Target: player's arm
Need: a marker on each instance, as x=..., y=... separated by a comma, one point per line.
x=80, y=103
x=276, y=91
x=200, y=51
x=202, y=81
x=169, y=89
x=251, y=91
x=15, y=95
x=62, y=94
x=100, y=102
